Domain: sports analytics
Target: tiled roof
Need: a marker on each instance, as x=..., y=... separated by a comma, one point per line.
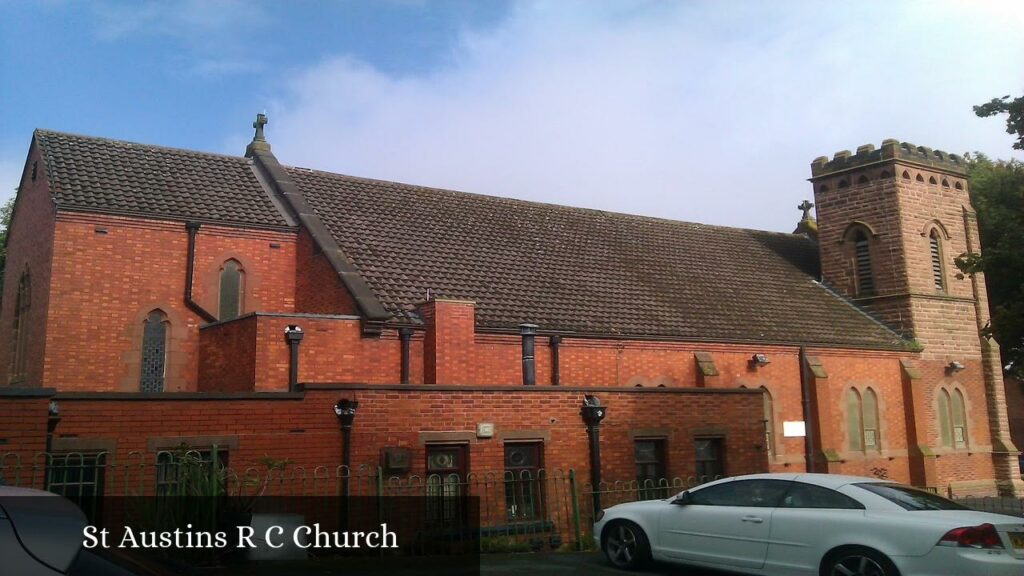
x=98, y=174
x=586, y=271
x=565, y=269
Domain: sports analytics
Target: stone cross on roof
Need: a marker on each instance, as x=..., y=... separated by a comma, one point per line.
x=259, y=141
x=261, y=121
x=806, y=207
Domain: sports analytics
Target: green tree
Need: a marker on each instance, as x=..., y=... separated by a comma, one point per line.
x=1014, y=110
x=997, y=193
x=5, y=222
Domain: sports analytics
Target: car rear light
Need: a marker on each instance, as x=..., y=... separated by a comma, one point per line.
x=983, y=536
x=600, y=515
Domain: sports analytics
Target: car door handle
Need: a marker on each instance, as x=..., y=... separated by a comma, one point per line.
x=753, y=519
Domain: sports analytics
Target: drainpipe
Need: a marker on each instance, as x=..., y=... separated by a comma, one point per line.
x=192, y=228
x=554, y=342
x=592, y=413
x=293, y=334
x=529, y=332
x=805, y=391
x=405, y=335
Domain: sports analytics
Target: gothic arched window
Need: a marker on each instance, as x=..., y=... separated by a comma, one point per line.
x=231, y=290
x=945, y=419
x=862, y=420
x=959, y=420
x=854, y=421
x=870, y=416
x=19, y=340
x=154, y=352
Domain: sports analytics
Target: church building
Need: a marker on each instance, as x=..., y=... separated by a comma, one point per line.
x=156, y=296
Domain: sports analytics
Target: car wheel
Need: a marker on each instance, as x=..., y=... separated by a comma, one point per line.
x=626, y=546
x=856, y=561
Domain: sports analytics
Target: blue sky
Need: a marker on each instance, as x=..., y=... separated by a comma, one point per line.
x=700, y=111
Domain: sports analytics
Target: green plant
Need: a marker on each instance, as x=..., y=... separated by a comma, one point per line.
x=503, y=544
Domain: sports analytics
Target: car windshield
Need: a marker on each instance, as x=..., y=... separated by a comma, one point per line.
x=911, y=498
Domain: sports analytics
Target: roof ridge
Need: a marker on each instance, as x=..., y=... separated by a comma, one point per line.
x=369, y=180
x=140, y=144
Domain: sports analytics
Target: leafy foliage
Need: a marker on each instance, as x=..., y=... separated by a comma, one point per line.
x=1014, y=109
x=997, y=193
x=5, y=221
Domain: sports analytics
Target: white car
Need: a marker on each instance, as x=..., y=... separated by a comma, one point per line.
x=813, y=524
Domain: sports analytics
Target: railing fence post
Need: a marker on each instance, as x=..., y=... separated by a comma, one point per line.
x=574, y=495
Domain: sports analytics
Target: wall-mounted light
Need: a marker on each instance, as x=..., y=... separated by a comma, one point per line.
x=760, y=360
x=345, y=410
x=293, y=335
x=954, y=367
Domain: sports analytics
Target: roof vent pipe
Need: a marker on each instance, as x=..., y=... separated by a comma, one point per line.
x=529, y=332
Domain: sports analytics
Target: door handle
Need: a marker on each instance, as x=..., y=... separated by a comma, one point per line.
x=753, y=519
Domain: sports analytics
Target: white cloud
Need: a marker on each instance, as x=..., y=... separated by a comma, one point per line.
x=212, y=34
x=706, y=112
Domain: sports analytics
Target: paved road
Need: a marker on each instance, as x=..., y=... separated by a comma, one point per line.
x=568, y=564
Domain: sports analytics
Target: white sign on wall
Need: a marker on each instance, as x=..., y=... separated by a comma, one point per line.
x=795, y=429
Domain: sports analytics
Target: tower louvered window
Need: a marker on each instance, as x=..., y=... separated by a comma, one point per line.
x=936, y=252
x=862, y=262
x=154, y=353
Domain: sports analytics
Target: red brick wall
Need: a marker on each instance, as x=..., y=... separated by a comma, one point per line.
x=306, y=431
x=227, y=356
x=318, y=289
x=448, y=355
x=332, y=350
x=104, y=285
x=29, y=248
x=23, y=421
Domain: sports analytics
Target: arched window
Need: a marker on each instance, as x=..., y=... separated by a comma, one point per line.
x=769, y=422
x=872, y=440
x=854, y=422
x=945, y=419
x=959, y=420
x=862, y=262
x=231, y=290
x=19, y=342
x=154, y=352
x=935, y=244
x=862, y=420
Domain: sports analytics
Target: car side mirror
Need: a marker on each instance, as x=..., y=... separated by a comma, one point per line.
x=683, y=499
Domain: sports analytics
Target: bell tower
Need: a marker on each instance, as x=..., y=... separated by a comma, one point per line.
x=890, y=222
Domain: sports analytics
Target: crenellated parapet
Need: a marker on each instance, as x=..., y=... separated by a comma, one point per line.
x=891, y=150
